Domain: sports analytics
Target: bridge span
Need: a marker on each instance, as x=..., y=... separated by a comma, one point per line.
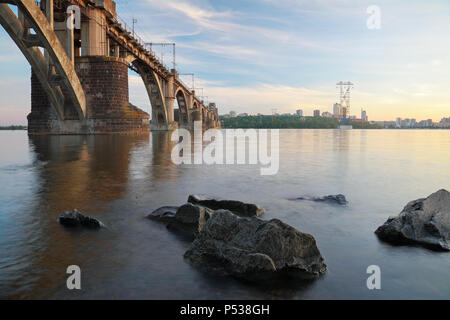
x=79, y=71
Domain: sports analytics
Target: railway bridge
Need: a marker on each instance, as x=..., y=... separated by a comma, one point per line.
x=80, y=52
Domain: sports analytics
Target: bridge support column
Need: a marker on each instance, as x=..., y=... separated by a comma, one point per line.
x=66, y=37
x=42, y=116
x=196, y=116
x=170, y=100
x=116, y=51
x=93, y=34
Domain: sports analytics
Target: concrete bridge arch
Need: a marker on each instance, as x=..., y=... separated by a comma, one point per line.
x=184, y=112
x=55, y=71
x=155, y=90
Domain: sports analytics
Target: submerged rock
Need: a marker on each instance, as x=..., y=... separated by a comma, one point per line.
x=190, y=219
x=237, y=207
x=255, y=249
x=163, y=214
x=425, y=221
x=336, y=199
x=75, y=218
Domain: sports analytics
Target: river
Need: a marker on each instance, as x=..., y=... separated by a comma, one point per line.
x=120, y=179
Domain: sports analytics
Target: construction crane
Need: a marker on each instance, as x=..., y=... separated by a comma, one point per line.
x=345, y=88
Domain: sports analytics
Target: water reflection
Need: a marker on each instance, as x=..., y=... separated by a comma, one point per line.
x=84, y=172
x=162, y=165
x=119, y=179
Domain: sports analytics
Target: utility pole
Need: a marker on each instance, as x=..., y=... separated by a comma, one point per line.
x=199, y=89
x=164, y=45
x=189, y=74
x=345, y=88
x=134, y=22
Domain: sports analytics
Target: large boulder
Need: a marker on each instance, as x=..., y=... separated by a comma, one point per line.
x=163, y=214
x=425, y=221
x=333, y=199
x=237, y=207
x=190, y=219
x=255, y=249
x=75, y=218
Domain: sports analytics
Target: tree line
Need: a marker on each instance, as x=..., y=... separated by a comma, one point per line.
x=288, y=122
x=13, y=128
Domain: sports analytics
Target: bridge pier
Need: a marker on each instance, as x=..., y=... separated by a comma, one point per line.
x=163, y=126
x=105, y=83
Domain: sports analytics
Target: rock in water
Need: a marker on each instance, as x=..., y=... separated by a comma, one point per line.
x=237, y=207
x=425, y=221
x=163, y=214
x=190, y=219
x=75, y=218
x=254, y=249
x=336, y=199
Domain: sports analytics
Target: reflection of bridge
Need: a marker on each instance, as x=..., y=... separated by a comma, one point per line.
x=80, y=78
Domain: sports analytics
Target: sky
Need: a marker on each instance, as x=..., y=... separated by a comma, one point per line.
x=258, y=55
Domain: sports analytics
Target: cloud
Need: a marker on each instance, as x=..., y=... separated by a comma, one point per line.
x=262, y=98
x=233, y=26
x=227, y=51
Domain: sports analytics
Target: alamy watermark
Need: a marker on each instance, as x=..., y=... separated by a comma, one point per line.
x=74, y=280
x=373, y=22
x=227, y=147
x=73, y=17
x=374, y=280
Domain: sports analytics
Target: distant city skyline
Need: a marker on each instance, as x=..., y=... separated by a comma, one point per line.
x=406, y=123
x=363, y=116
x=255, y=55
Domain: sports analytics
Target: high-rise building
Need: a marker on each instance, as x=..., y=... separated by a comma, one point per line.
x=405, y=123
x=299, y=113
x=398, y=122
x=327, y=114
x=336, y=109
x=317, y=113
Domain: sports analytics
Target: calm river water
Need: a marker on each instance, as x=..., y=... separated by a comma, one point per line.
x=119, y=179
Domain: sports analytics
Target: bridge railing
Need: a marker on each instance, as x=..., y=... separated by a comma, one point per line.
x=138, y=39
x=184, y=84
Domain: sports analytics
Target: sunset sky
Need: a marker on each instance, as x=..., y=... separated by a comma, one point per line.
x=253, y=56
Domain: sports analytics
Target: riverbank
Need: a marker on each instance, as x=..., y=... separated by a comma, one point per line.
x=289, y=122
x=13, y=128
